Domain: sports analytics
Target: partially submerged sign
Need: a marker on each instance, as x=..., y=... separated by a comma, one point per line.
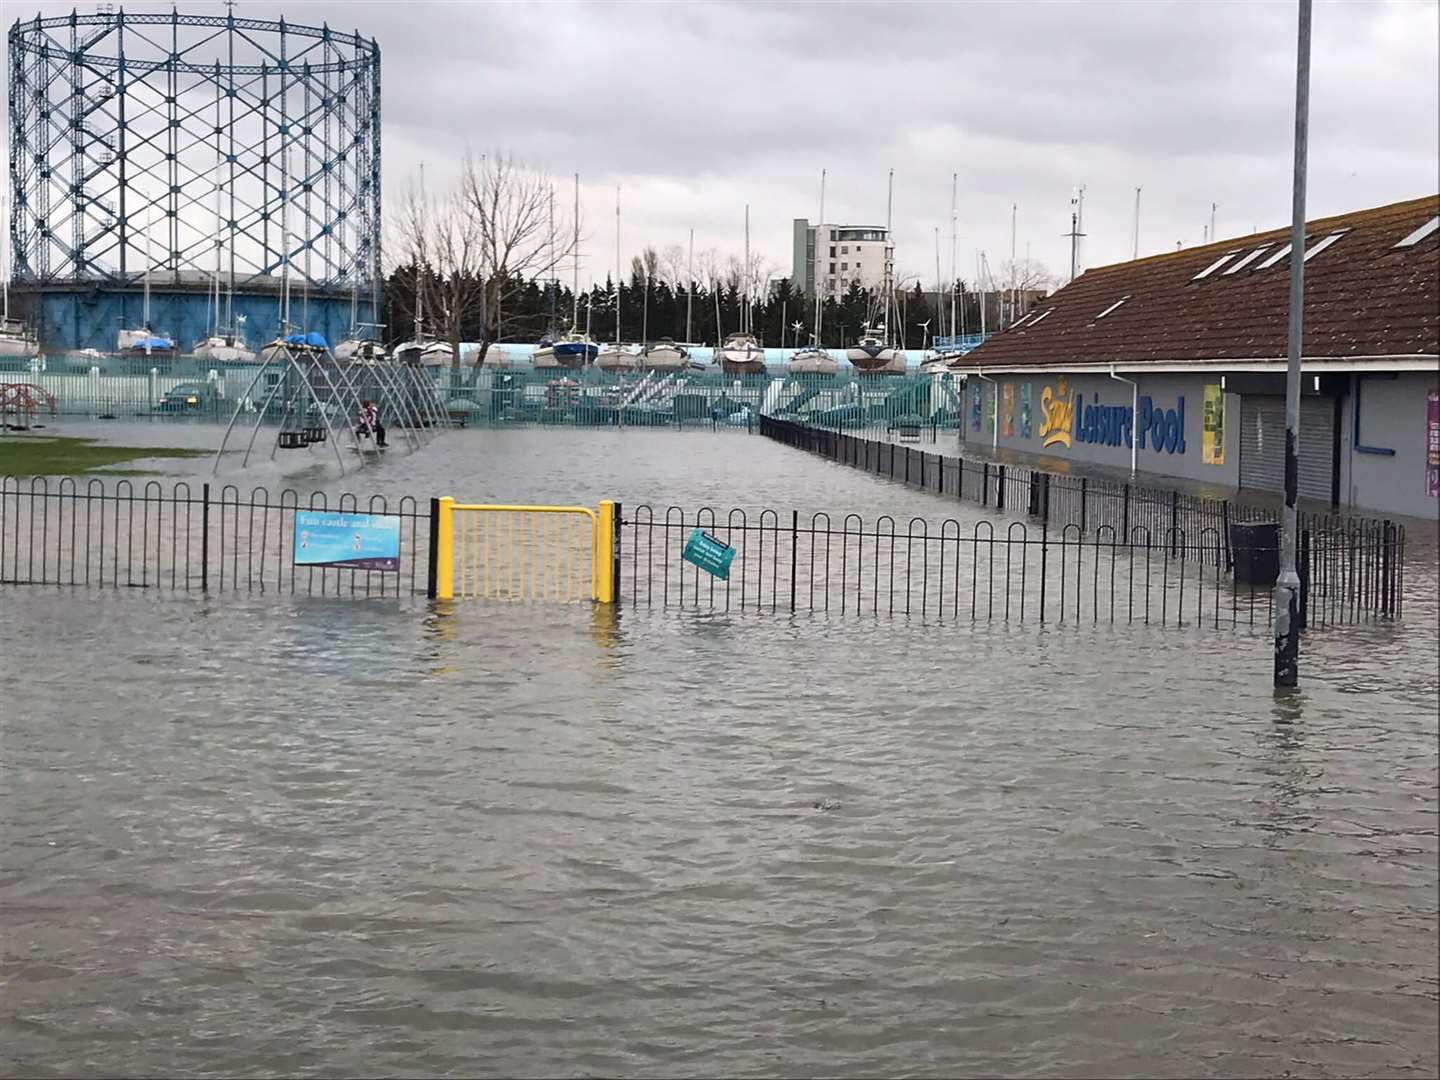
x=709, y=554
x=354, y=541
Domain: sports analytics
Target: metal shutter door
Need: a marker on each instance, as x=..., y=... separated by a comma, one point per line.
x=1262, y=445
x=1317, y=448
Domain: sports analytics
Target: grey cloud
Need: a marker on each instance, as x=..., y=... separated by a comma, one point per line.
x=700, y=108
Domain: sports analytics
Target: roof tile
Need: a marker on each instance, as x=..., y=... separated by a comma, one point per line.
x=1363, y=297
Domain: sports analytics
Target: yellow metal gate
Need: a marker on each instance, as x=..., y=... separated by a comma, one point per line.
x=528, y=553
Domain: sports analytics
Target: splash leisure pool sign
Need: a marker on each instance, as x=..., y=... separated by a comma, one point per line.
x=353, y=541
x=1067, y=419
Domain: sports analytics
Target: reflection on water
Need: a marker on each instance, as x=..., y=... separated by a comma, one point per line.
x=365, y=838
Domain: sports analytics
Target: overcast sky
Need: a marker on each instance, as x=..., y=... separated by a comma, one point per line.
x=699, y=108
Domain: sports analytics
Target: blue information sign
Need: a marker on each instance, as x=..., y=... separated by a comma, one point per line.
x=357, y=541
x=709, y=554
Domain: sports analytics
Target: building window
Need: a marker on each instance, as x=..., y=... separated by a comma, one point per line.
x=832, y=268
x=844, y=266
x=832, y=251
x=845, y=250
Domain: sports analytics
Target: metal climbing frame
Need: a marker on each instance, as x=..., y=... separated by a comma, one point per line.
x=115, y=117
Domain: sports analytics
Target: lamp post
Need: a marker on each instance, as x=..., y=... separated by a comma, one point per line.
x=1287, y=585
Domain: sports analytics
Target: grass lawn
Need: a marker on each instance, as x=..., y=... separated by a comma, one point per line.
x=46, y=456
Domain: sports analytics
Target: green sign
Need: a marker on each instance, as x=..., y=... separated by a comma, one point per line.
x=709, y=554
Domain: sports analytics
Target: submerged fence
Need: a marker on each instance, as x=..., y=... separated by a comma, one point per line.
x=1357, y=563
x=110, y=534
x=971, y=572
x=190, y=538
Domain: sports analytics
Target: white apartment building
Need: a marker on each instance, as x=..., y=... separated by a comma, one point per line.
x=834, y=256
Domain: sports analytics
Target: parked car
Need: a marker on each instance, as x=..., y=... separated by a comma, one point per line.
x=187, y=397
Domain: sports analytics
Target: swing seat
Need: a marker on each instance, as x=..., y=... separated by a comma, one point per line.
x=315, y=434
x=293, y=440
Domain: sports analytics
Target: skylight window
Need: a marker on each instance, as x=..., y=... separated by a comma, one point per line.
x=1117, y=303
x=1041, y=317
x=1022, y=320
x=1247, y=260
x=1215, y=265
x=1421, y=233
x=1273, y=259
x=1324, y=244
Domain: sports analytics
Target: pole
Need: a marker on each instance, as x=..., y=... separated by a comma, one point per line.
x=1014, y=287
x=689, y=286
x=575, y=267
x=1074, y=239
x=954, y=190
x=819, y=293
x=616, y=343
x=1135, y=247
x=1287, y=586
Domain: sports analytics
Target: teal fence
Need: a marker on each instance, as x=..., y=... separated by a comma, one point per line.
x=134, y=388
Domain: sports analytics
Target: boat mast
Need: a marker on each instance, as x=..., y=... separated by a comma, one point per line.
x=554, y=287
x=980, y=287
x=690, y=285
x=819, y=296
x=575, y=279
x=1014, y=284
x=954, y=185
x=889, y=247
x=419, y=267
x=149, y=259
x=745, y=279
x=5, y=252
x=938, y=286
x=616, y=343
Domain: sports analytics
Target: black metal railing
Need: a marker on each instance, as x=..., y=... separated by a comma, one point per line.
x=1020, y=572
x=184, y=537
x=1355, y=563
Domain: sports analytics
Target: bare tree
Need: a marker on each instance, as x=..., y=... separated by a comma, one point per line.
x=441, y=237
x=673, y=265
x=1030, y=280
x=525, y=235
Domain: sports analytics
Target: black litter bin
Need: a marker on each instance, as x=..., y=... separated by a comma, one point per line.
x=1255, y=547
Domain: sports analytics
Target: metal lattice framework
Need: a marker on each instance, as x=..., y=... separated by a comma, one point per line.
x=188, y=135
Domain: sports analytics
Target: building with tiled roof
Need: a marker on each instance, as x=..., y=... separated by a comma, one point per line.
x=1175, y=364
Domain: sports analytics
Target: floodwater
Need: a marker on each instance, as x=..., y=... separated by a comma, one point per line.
x=291, y=836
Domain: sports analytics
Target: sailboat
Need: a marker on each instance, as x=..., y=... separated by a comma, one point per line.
x=573, y=349
x=741, y=354
x=226, y=342
x=144, y=341
x=16, y=338
x=360, y=345
x=544, y=354
x=874, y=353
x=665, y=354
x=814, y=360
x=616, y=357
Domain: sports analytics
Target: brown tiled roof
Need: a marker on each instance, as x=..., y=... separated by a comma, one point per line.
x=1363, y=297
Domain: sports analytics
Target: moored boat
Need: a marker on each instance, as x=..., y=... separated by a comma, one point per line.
x=664, y=355
x=813, y=361
x=874, y=355
x=741, y=354
x=16, y=338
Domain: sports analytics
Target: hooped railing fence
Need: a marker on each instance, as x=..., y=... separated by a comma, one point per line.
x=107, y=533
x=1356, y=563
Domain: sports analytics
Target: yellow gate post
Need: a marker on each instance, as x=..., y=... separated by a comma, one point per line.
x=604, y=554
x=445, y=550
